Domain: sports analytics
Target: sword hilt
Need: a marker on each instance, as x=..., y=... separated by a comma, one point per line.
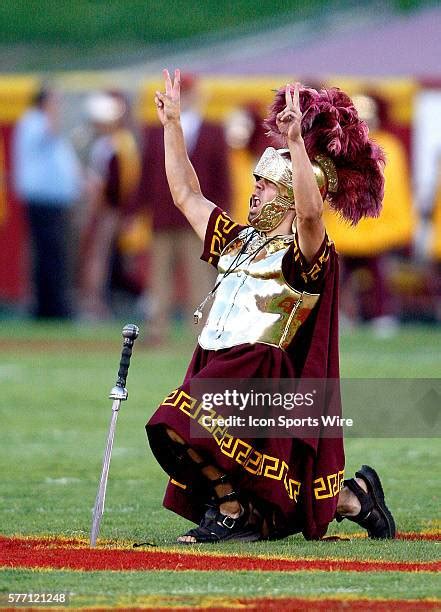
x=130, y=332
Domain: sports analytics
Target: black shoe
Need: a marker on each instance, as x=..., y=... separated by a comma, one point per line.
x=374, y=515
x=217, y=527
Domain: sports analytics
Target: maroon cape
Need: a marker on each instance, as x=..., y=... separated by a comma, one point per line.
x=294, y=482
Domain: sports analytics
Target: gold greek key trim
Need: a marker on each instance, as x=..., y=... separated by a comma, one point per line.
x=236, y=449
x=221, y=236
x=330, y=488
x=313, y=272
x=254, y=462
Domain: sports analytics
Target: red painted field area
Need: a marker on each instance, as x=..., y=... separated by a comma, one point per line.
x=291, y=604
x=53, y=553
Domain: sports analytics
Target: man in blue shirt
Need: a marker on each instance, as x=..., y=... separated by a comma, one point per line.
x=47, y=179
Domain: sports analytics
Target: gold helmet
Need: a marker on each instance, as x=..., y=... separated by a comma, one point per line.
x=275, y=166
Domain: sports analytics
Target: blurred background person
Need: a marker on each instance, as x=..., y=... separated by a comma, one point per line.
x=246, y=138
x=113, y=174
x=178, y=279
x=47, y=179
x=366, y=249
x=435, y=246
x=3, y=185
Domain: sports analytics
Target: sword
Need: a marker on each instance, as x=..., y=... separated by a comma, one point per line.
x=118, y=394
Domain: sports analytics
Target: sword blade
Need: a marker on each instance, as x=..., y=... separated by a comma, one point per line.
x=101, y=493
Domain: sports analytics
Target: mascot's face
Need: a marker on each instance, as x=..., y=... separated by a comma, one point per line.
x=264, y=191
x=272, y=196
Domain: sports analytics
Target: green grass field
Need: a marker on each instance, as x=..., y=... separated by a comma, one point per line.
x=54, y=416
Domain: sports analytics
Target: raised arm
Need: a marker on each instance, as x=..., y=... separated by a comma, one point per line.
x=308, y=200
x=181, y=176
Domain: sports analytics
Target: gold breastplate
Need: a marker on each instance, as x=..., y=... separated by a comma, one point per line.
x=254, y=303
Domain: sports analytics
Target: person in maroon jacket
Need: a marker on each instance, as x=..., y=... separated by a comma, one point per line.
x=112, y=179
x=274, y=317
x=174, y=246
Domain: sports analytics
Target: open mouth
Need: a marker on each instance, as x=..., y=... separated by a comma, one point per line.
x=254, y=203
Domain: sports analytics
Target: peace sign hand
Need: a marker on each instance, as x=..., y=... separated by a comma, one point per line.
x=168, y=104
x=290, y=118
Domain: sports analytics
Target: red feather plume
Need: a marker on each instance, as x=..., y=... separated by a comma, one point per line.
x=331, y=127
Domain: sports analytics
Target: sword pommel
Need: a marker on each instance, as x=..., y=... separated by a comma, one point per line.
x=130, y=331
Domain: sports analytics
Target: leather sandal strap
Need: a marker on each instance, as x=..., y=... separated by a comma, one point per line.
x=203, y=464
x=364, y=498
x=233, y=496
x=224, y=479
x=215, y=527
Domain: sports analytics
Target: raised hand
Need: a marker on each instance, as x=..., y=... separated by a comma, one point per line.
x=168, y=104
x=290, y=118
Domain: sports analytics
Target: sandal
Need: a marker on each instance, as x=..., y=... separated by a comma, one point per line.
x=374, y=515
x=217, y=527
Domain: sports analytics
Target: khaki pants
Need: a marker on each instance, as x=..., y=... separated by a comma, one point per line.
x=95, y=268
x=174, y=250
